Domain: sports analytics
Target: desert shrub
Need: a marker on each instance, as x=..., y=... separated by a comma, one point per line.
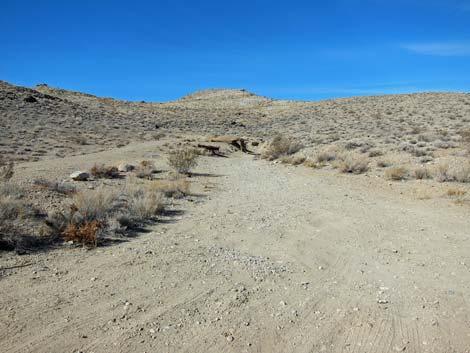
x=442, y=172
x=183, y=160
x=143, y=203
x=6, y=170
x=60, y=187
x=461, y=172
x=421, y=173
x=456, y=192
x=94, y=205
x=326, y=155
x=85, y=233
x=384, y=163
x=281, y=146
x=12, y=208
x=465, y=138
x=145, y=169
x=310, y=163
x=375, y=153
x=171, y=188
x=295, y=159
x=102, y=171
x=458, y=171
x=86, y=218
x=396, y=173
x=352, y=163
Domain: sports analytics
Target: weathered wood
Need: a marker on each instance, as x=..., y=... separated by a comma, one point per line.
x=212, y=149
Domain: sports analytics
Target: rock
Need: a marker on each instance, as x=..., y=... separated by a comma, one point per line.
x=30, y=99
x=125, y=167
x=79, y=176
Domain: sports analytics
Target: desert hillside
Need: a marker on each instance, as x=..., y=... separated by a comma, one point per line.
x=229, y=222
x=59, y=122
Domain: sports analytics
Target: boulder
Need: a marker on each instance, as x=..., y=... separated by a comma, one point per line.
x=80, y=176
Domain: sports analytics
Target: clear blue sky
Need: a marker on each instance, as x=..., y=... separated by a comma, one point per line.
x=160, y=50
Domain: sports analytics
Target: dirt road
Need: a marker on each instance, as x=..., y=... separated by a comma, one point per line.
x=272, y=259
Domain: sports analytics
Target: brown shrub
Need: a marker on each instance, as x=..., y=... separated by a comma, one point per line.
x=85, y=233
x=183, y=160
x=281, y=146
x=102, y=171
x=396, y=173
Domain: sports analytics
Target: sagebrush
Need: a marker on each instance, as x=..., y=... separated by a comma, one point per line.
x=183, y=160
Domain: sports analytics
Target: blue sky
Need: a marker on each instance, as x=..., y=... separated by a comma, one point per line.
x=161, y=50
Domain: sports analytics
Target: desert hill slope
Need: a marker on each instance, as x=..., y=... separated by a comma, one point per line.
x=61, y=122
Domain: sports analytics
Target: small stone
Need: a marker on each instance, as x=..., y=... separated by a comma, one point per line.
x=382, y=301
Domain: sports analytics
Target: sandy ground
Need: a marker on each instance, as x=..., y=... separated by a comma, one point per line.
x=268, y=258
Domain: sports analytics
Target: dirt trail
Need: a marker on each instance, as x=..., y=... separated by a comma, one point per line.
x=272, y=259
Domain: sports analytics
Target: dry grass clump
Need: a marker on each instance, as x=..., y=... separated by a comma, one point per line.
x=10, y=211
x=102, y=171
x=329, y=154
x=461, y=172
x=397, y=173
x=442, y=172
x=171, y=188
x=145, y=169
x=59, y=187
x=183, y=160
x=465, y=138
x=352, y=162
x=453, y=192
x=375, y=153
x=281, y=146
x=12, y=208
x=295, y=159
x=458, y=171
x=6, y=170
x=142, y=203
x=421, y=173
x=383, y=163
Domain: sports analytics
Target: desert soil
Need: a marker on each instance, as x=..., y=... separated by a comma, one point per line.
x=268, y=258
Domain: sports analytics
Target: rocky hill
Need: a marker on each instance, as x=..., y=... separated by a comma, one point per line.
x=51, y=122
